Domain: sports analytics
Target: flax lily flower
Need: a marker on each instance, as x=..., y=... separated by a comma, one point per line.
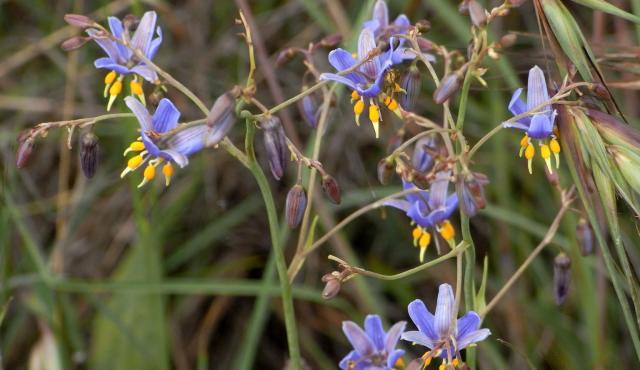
x=374, y=349
x=442, y=333
x=541, y=125
x=429, y=210
x=379, y=24
x=121, y=60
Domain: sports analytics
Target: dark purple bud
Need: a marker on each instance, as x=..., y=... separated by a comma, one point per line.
x=331, y=288
x=285, y=56
x=25, y=148
x=222, y=116
x=331, y=188
x=561, y=277
x=424, y=44
x=295, y=205
x=477, y=13
x=584, y=234
x=89, y=154
x=79, y=20
x=308, y=107
x=423, y=153
x=331, y=41
x=74, y=43
x=470, y=190
x=275, y=142
x=412, y=84
x=385, y=170
x=448, y=86
x=508, y=40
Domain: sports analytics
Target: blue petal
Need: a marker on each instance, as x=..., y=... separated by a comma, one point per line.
x=109, y=46
x=189, y=140
x=166, y=116
x=401, y=24
x=418, y=214
x=536, y=88
x=108, y=63
x=116, y=29
x=467, y=323
x=150, y=146
x=141, y=113
x=422, y=160
x=381, y=13
x=221, y=128
x=400, y=204
x=155, y=44
x=393, y=335
x=374, y=330
x=420, y=338
x=340, y=79
x=366, y=43
x=516, y=105
x=141, y=39
x=445, y=314
x=423, y=319
x=341, y=59
x=146, y=72
x=472, y=337
x=179, y=158
x=438, y=190
x=541, y=127
x=352, y=356
x=518, y=125
x=358, y=338
x=393, y=358
x=372, y=25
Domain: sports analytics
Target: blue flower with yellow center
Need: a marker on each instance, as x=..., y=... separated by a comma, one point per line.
x=374, y=349
x=379, y=23
x=541, y=125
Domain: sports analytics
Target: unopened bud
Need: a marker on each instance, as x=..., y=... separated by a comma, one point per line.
x=308, y=107
x=463, y=7
x=222, y=116
x=285, y=56
x=471, y=192
x=275, y=143
x=424, y=44
x=385, y=170
x=584, y=234
x=412, y=84
x=448, y=86
x=331, y=188
x=25, y=148
x=295, y=205
x=331, y=41
x=79, y=20
x=74, y=43
x=477, y=13
x=331, y=288
x=508, y=40
x=89, y=154
x=561, y=277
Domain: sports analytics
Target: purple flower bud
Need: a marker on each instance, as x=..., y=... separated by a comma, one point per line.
x=295, y=205
x=412, y=84
x=331, y=41
x=79, y=20
x=25, y=148
x=385, y=170
x=561, y=277
x=74, y=43
x=308, y=107
x=477, y=13
x=584, y=234
x=89, y=154
x=471, y=193
x=285, y=56
x=275, y=142
x=331, y=188
x=423, y=153
x=448, y=86
x=331, y=288
x=463, y=7
x=508, y=40
x=222, y=116
x=424, y=44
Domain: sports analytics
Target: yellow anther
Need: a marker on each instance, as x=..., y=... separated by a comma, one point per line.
x=136, y=146
x=398, y=88
x=358, y=108
x=354, y=96
x=425, y=239
x=399, y=363
x=167, y=171
x=545, y=153
x=455, y=362
x=374, y=117
x=114, y=90
x=529, y=153
x=134, y=162
x=555, y=149
x=110, y=77
x=416, y=233
x=447, y=231
x=136, y=88
x=442, y=366
x=149, y=172
x=427, y=361
x=524, y=142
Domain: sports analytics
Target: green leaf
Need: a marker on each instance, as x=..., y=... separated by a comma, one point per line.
x=608, y=8
x=481, y=301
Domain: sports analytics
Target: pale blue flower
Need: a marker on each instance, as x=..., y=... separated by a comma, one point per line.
x=374, y=349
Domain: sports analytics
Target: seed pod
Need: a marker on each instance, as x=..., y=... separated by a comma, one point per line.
x=331, y=288
x=275, y=142
x=331, y=188
x=222, y=116
x=79, y=20
x=561, y=277
x=412, y=84
x=448, y=86
x=584, y=234
x=25, y=148
x=89, y=154
x=295, y=205
x=74, y=43
x=385, y=170
x=477, y=13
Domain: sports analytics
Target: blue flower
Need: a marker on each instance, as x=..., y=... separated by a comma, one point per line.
x=541, y=125
x=373, y=348
x=368, y=80
x=153, y=150
x=422, y=154
x=442, y=333
x=429, y=210
x=379, y=23
x=121, y=59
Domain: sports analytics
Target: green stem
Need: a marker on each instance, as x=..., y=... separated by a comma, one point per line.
x=281, y=265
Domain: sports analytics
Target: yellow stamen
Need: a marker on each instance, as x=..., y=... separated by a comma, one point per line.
x=529, y=153
x=134, y=162
x=399, y=363
x=425, y=239
x=149, y=174
x=167, y=171
x=555, y=149
x=455, y=362
x=447, y=231
x=136, y=146
x=354, y=96
x=114, y=90
x=416, y=233
x=110, y=77
x=393, y=105
x=136, y=87
x=442, y=366
x=374, y=117
x=358, y=108
x=524, y=142
x=545, y=153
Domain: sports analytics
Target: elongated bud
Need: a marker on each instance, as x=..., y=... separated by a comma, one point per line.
x=74, y=43
x=222, y=116
x=508, y=40
x=285, y=56
x=89, y=154
x=25, y=148
x=331, y=288
x=561, y=277
x=477, y=13
x=295, y=205
x=584, y=234
x=424, y=44
x=385, y=170
x=448, y=86
x=331, y=41
x=79, y=20
x=412, y=84
x=463, y=7
x=331, y=188
x=275, y=142
x=423, y=153
x=308, y=107
x=470, y=190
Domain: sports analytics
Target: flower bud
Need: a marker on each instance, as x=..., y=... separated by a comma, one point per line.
x=79, y=20
x=331, y=41
x=448, y=86
x=89, y=154
x=222, y=116
x=385, y=170
x=423, y=153
x=25, y=148
x=561, y=277
x=463, y=7
x=331, y=288
x=477, y=13
x=285, y=56
x=275, y=142
x=295, y=205
x=471, y=193
x=508, y=40
x=412, y=84
x=424, y=44
x=584, y=234
x=74, y=43
x=130, y=22
x=308, y=107
x=331, y=188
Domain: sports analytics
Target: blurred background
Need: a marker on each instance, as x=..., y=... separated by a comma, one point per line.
x=96, y=274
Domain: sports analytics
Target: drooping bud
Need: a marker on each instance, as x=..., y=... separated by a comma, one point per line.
x=424, y=44
x=508, y=40
x=463, y=7
x=275, y=143
x=222, y=116
x=561, y=277
x=285, y=56
x=385, y=170
x=331, y=41
x=295, y=205
x=79, y=20
x=89, y=154
x=477, y=13
x=584, y=234
x=423, y=153
x=448, y=86
x=331, y=188
x=308, y=107
x=470, y=190
x=25, y=148
x=74, y=43
x=332, y=286
x=412, y=84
